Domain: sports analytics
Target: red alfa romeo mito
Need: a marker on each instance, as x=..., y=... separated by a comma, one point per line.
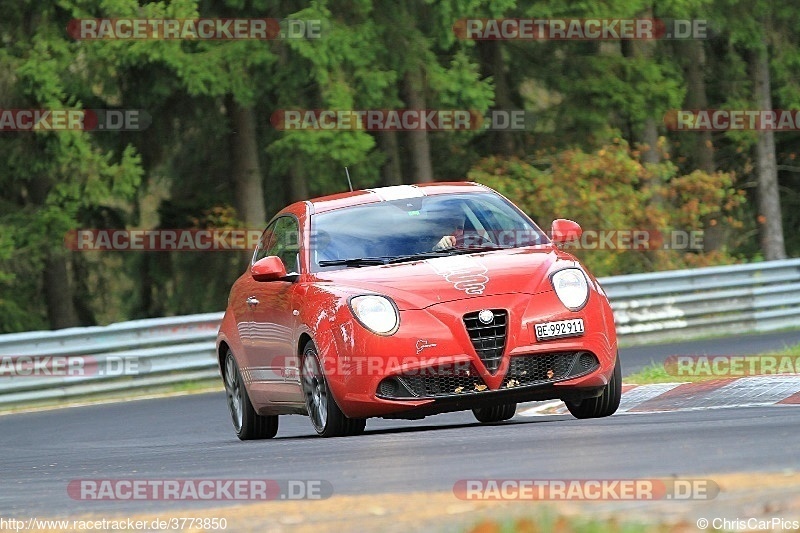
x=407, y=301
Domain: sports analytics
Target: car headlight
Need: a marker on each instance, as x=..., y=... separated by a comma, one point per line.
x=376, y=313
x=571, y=288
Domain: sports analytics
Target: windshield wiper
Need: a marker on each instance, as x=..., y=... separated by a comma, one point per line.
x=388, y=260
x=479, y=248
x=354, y=262
x=421, y=255
x=458, y=250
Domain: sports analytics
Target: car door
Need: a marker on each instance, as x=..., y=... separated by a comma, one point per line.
x=246, y=300
x=272, y=332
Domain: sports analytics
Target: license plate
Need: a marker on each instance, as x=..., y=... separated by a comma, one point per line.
x=560, y=328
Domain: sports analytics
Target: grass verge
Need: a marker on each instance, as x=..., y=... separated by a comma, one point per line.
x=764, y=364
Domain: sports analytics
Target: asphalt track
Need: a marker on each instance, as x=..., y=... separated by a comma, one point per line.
x=191, y=437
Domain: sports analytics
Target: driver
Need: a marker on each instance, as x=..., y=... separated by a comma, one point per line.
x=454, y=224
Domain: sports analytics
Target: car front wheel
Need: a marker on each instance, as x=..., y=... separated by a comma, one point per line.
x=326, y=417
x=604, y=405
x=248, y=424
x=496, y=413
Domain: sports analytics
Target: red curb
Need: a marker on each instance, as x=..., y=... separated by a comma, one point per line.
x=673, y=399
x=794, y=399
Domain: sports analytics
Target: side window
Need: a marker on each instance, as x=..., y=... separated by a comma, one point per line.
x=281, y=238
x=265, y=242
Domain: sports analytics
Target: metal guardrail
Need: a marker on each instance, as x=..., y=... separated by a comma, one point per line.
x=647, y=308
x=705, y=301
x=120, y=357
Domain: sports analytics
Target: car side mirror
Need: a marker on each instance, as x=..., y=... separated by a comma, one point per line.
x=269, y=268
x=563, y=231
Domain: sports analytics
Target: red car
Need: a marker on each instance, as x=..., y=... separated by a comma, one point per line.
x=408, y=301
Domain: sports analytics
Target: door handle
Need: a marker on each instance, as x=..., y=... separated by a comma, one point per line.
x=252, y=301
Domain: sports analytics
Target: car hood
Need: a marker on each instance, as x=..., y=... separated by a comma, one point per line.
x=420, y=284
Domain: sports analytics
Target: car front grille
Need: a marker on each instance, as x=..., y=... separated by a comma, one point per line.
x=489, y=340
x=447, y=380
x=549, y=367
x=457, y=379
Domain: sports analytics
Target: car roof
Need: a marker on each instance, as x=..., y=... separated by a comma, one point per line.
x=395, y=192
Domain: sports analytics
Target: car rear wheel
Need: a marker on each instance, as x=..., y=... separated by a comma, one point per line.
x=604, y=405
x=247, y=423
x=326, y=417
x=496, y=413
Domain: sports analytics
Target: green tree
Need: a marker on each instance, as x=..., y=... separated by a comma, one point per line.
x=52, y=178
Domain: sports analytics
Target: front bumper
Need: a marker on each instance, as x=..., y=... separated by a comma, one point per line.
x=488, y=398
x=465, y=380
x=434, y=342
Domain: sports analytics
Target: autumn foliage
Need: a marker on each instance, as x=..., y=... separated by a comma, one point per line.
x=611, y=190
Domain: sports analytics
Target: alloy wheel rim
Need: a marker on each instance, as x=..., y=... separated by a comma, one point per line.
x=316, y=392
x=233, y=391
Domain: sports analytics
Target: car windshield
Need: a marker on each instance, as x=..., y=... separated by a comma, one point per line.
x=419, y=227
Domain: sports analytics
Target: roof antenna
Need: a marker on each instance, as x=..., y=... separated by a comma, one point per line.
x=350, y=183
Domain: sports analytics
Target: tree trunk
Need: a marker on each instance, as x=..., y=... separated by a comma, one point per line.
x=645, y=135
x=248, y=186
x=61, y=311
x=695, y=60
x=493, y=64
x=648, y=141
x=414, y=85
x=769, y=204
x=298, y=186
x=57, y=288
x=392, y=169
x=82, y=289
x=702, y=149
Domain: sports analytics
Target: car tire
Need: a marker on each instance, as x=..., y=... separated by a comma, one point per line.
x=604, y=405
x=248, y=424
x=496, y=413
x=326, y=417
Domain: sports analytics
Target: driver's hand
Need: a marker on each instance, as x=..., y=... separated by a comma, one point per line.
x=445, y=243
